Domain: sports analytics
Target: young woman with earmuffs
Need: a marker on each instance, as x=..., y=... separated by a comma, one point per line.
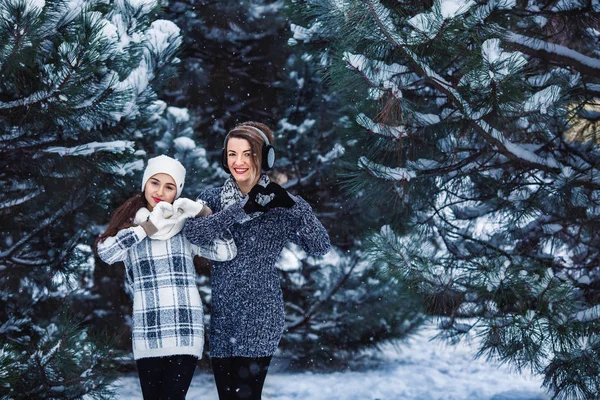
x=247, y=317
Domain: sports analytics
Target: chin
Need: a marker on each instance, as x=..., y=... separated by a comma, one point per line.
x=243, y=178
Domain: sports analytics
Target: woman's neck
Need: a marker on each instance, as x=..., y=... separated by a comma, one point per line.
x=246, y=187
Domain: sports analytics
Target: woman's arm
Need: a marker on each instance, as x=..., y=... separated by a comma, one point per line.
x=309, y=234
x=204, y=231
x=115, y=248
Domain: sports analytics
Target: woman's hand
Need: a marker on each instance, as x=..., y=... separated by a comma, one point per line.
x=265, y=198
x=282, y=198
x=162, y=215
x=255, y=200
x=186, y=208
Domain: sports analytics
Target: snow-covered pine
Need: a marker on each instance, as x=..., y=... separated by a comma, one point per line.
x=497, y=223
x=331, y=316
x=233, y=58
x=77, y=91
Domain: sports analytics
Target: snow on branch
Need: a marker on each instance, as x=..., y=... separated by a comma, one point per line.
x=29, y=100
x=16, y=202
x=144, y=6
x=577, y=60
x=300, y=179
x=381, y=129
x=514, y=150
x=65, y=209
x=129, y=168
x=542, y=100
x=162, y=34
x=333, y=154
x=381, y=16
x=593, y=87
x=117, y=146
x=589, y=314
x=380, y=75
x=386, y=173
x=430, y=23
x=303, y=34
x=386, y=22
x=492, y=135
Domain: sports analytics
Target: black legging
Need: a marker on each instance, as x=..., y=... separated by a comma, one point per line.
x=166, y=378
x=240, y=378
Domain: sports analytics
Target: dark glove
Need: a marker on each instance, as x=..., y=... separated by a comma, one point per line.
x=252, y=206
x=282, y=197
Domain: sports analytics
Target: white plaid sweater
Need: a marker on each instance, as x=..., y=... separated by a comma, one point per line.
x=167, y=310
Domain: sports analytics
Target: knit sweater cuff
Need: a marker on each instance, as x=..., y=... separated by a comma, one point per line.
x=149, y=228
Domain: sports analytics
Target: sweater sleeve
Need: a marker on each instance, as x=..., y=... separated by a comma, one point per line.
x=203, y=231
x=309, y=234
x=223, y=248
x=115, y=248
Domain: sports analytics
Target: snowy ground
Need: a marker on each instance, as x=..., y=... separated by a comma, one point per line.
x=421, y=370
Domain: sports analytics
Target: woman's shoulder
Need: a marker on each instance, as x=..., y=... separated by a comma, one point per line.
x=209, y=193
x=211, y=196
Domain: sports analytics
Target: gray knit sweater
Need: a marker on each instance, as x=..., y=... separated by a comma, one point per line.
x=247, y=303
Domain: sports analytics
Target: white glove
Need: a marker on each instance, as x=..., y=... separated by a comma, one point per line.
x=185, y=208
x=162, y=216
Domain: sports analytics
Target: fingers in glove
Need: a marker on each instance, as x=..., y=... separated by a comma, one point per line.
x=187, y=208
x=164, y=209
x=282, y=197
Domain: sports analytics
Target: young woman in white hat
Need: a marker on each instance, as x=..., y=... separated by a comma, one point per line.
x=145, y=234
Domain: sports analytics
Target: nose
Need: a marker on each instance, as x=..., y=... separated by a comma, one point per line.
x=238, y=160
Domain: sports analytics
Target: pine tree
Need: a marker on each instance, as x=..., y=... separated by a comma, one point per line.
x=465, y=115
x=330, y=312
x=232, y=52
x=77, y=87
x=339, y=306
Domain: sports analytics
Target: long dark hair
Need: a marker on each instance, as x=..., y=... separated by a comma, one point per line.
x=123, y=217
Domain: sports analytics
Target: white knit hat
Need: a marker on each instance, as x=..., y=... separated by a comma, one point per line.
x=165, y=165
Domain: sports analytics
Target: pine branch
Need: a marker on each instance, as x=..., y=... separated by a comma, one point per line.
x=492, y=135
x=324, y=299
x=558, y=54
x=72, y=204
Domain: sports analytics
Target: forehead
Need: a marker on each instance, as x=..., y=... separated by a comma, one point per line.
x=163, y=178
x=238, y=144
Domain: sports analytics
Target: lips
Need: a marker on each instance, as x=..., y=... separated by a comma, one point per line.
x=240, y=171
x=156, y=199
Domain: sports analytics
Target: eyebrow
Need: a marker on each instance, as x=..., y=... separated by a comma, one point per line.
x=243, y=151
x=158, y=180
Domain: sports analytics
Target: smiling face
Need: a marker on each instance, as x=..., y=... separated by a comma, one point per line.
x=160, y=187
x=241, y=162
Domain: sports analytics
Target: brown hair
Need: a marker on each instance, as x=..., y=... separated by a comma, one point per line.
x=256, y=141
x=123, y=217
